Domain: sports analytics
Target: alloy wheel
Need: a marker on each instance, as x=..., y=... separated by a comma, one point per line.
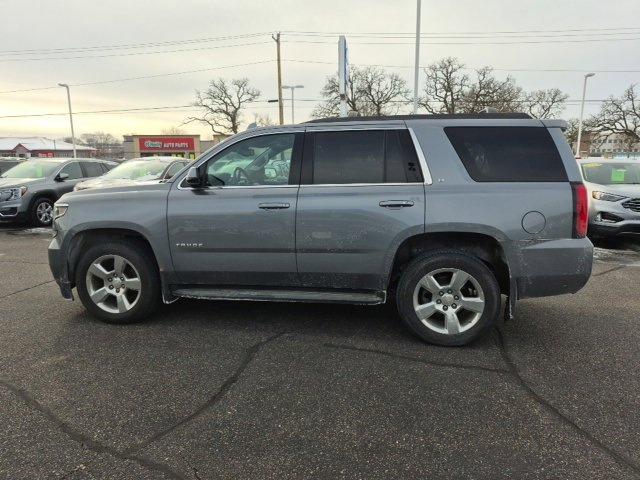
x=448, y=301
x=44, y=212
x=113, y=284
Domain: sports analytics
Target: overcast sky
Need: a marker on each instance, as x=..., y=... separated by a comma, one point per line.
x=43, y=26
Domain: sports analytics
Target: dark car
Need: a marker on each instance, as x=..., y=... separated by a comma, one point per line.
x=9, y=162
x=29, y=189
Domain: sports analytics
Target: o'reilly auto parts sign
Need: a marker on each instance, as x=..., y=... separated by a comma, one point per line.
x=166, y=144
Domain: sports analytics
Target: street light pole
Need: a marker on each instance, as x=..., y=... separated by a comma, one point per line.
x=584, y=93
x=416, y=73
x=73, y=135
x=292, y=88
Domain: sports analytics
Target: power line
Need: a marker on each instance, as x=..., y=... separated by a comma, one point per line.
x=131, y=53
x=484, y=36
x=519, y=42
x=129, y=45
x=468, y=32
x=471, y=68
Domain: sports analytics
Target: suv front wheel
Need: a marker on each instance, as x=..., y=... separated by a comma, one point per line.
x=448, y=297
x=118, y=282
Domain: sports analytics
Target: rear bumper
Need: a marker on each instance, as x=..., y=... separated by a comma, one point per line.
x=554, y=268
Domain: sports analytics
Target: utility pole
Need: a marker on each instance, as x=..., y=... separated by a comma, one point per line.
x=276, y=38
x=584, y=93
x=292, y=88
x=416, y=73
x=73, y=135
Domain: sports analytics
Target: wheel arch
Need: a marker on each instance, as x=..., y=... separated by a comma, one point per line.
x=489, y=248
x=90, y=234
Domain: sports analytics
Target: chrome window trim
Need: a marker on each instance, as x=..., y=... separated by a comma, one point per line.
x=426, y=173
x=227, y=187
x=394, y=184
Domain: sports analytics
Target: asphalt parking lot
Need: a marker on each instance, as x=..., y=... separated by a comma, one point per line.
x=212, y=390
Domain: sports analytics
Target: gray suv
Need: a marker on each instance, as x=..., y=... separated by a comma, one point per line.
x=29, y=189
x=441, y=214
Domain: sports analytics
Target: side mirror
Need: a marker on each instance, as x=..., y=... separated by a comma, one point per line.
x=193, y=178
x=62, y=176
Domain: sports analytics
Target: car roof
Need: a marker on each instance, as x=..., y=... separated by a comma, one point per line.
x=64, y=159
x=166, y=159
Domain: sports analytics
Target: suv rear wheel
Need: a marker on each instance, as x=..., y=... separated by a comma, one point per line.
x=118, y=282
x=448, y=298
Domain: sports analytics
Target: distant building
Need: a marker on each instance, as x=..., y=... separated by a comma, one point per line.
x=27, y=147
x=614, y=146
x=185, y=146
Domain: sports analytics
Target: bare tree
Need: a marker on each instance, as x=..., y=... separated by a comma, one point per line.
x=449, y=90
x=545, y=103
x=445, y=86
x=619, y=117
x=488, y=91
x=173, y=131
x=370, y=91
x=263, y=120
x=571, y=133
x=222, y=104
x=106, y=145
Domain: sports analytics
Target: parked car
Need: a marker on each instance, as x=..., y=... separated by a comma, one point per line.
x=9, y=162
x=443, y=213
x=137, y=170
x=29, y=189
x=614, y=196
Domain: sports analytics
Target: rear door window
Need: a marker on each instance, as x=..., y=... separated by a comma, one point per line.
x=508, y=154
x=92, y=169
x=373, y=156
x=73, y=170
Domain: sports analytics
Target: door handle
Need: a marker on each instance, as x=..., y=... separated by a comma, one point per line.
x=396, y=203
x=273, y=206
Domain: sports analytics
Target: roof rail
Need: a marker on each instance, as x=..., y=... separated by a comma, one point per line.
x=437, y=116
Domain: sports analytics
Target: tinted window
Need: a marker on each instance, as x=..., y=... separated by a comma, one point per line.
x=508, y=154
x=92, y=169
x=349, y=157
x=73, y=170
x=401, y=161
x=263, y=160
x=375, y=156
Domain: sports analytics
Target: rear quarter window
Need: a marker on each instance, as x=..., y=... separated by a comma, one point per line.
x=508, y=154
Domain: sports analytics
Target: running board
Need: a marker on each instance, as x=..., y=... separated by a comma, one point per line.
x=266, y=295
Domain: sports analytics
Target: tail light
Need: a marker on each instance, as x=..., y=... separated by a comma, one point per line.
x=580, y=210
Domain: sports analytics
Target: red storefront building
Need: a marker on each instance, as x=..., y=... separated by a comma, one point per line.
x=185, y=146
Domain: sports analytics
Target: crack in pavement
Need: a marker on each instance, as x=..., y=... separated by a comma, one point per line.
x=247, y=358
x=614, y=269
x=26, y=289
x=84, y=440
x=417, y=360
x=620, y=458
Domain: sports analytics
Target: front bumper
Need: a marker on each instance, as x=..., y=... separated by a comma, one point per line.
x=59, y=269
x=12, y=211
x=600, y=229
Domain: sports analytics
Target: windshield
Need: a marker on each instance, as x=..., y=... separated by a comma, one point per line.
x=612, y=173
x=31, y=169
x=137, y=170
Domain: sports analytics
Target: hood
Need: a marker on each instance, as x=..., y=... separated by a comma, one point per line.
x=108, y=183
x=631, y=191
x=19, y=182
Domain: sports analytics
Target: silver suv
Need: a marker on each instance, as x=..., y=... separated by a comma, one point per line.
x=29, y=189
x=441, y=214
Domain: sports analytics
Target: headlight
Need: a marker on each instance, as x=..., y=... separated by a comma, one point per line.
x=607, y=197
x=12, y=193
x=59, y=209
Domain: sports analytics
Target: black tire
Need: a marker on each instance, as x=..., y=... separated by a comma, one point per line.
x=444, y=259
x=142, y=260
x=33, y=211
